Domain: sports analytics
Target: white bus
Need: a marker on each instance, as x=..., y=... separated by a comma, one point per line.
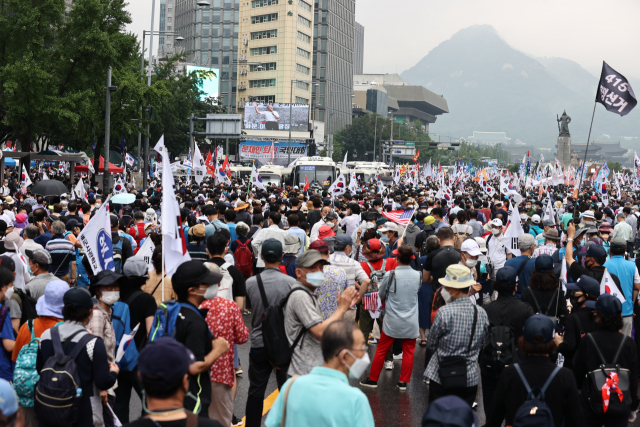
x=319, y=171
x=272, y=174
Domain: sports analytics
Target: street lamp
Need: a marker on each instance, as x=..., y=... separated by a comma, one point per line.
x=203, y=3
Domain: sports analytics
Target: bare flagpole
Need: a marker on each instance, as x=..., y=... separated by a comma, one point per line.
x=576, y=213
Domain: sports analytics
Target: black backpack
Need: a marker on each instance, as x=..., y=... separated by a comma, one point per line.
x=274, y=336
x=534, y=412
x=597, y=378
x=28, y=306
x=58, y=398
x=500, y=350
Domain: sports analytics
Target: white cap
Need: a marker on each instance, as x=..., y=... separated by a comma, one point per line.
x=497, y=222
x=295, y=187
x=471, y=247
x=63, y=195
x=535, y=219
x=389, y=226
x=482, y=244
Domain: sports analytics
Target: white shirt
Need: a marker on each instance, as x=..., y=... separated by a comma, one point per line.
x=497, y=251
x=273, y=232
x=352, y=222
x=30, y=245
x=5, y=190
x=315, y=230
x=270, y=116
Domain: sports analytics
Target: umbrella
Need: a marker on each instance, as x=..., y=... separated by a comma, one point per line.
x=123, y=198
x=49, y=187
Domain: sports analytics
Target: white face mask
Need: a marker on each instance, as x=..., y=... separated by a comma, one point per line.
x=379, y=210
x=423, y=210
x=110, y=297
x=446, y=295
x=212, y=292
x=330, y=224
x=495, y=231
x=8, y=293
x=358, y=367
x=471, y=263
x=315, y=279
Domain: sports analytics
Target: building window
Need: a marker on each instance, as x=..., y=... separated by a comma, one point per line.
x=303, y=53
x=304, y=21
x=169, y=19
x=302, y=85
x=264, y=34
x=169, y=9
x=305, y=38
x=267, y=50
x=264, y=18
x=262, y=83
x=300, y=100
x=266, y=99
x=304, y=5
x=263, y=3
x=267, y=66
x=302, y=69
x=169, y=27
x=168, y=45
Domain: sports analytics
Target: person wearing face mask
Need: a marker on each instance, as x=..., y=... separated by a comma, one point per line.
x=303, y=315
x=328, y=218
x=389, y=236
x=498, y=252
x=469, y=254
x=6, y=335
x=594, y=260
x=196, y=282
x=105, y=288
x=345, y=356
x=453, y=334
x=225, y=321
x=93, y=367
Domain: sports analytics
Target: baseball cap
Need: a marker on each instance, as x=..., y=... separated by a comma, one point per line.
x=389, y=226
x=538, y=325
x=482, y=244
x=608, y=304
x=471, y=247
x=136, y=267
x=544, y=264
x=310, y=258
x=195, y=271
x=497, y=222
x=587, y=284
x=373, y=245
x=596, y=251
x=271, y=250
x=8, y=399
x=506, y=276
x=548, y=223
x=344, y=240
x=449, y=411
x=331, y=215
x=535, y=219
x=164, y=362
x=79, y=298
x=319, y=245
x=395, y=253
x=40, y=256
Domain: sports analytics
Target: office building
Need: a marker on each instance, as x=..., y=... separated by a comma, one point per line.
x=358, y=49
x=333, y=57
x=210, y=34
x=276, y=47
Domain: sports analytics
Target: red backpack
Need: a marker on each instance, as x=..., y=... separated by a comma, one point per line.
x=244, y=258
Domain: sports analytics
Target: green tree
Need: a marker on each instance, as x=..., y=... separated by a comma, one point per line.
x=614, y=166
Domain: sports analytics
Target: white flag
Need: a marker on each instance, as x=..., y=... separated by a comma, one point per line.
x=175, y=253
x=353, y=181
x=514, y=230
x=199, y=167
x=221, y=177
x=608, y=286
x=549, y=212
x=339, y=186
x=160, y=145
x=119, y=187
x=563, y=276
x=26, y=179
x=79, y=191
x=125, y=342
x=256, y=180
x=96, y=241
x=344, y=162
x=146, y=252
x=44, y=176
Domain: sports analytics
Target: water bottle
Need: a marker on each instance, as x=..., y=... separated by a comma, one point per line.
x=78, y=393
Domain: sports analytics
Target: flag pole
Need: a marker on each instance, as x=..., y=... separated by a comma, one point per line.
x=584, y=162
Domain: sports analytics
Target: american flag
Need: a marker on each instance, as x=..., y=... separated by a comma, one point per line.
x=401, y=217
x=371, y=301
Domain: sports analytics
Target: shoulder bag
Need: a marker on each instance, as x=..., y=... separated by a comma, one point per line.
x=453, y=369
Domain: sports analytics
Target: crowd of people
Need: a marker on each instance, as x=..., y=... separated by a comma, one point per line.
x=324, y=288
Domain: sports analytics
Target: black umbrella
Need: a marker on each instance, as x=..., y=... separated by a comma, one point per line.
x=49, y=187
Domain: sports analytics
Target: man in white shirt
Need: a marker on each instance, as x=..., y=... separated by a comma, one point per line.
x=497, y=252
x=5, y=188
x=328, y=218
x=30, y=233
x=352, y=220
x=272, y=232
x=271, y=117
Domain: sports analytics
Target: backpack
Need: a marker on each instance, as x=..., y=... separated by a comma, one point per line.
x=58, y=397
x=376, y=276
x=534, y=412
x=244, y=258
x=117, y=254
x=27, y=304
x=598, y=378
x=461, y=237
x=25, y=375
x=225, y=289
x=121, y=320
x=556, y=293
x=164, y=321
x=274, y=336
x=500, y=350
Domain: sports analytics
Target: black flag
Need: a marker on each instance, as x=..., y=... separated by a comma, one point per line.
x=615, y=92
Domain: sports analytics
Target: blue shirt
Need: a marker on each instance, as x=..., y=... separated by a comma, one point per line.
x=6, y=364
x=216, y=224
x=298, y=232
x=525, y=274
x=339, y=405
x=232, y=231
x=626, y=271
x=44, y=238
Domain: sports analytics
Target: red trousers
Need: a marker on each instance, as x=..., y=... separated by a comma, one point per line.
x=384, y=344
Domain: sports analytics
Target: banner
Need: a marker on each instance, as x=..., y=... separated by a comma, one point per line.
x=275, y=116
x=614, y=91
x=96, y=241
x=260, y=151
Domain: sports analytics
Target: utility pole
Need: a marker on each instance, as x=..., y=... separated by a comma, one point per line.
x=375, y=135
x=145, y=161
x=107, y=135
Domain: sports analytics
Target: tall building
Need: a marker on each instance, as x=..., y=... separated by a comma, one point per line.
x=210, y=33
x=358, y=49
x=276, y=49
x=333, y=58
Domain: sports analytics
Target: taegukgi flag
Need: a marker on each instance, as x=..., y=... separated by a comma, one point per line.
x=96, y=241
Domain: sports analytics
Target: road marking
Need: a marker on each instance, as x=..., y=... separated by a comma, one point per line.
x=268, y=403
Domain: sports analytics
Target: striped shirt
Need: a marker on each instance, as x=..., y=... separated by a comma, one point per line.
x=62, y=253
x=351, y=267
x=548, y=249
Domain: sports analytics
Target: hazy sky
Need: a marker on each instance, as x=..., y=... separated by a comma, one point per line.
x=399, y=33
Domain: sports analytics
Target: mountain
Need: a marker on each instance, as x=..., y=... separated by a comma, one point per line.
x=493, y=87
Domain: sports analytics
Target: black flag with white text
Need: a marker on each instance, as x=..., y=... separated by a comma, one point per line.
x=614, y=91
